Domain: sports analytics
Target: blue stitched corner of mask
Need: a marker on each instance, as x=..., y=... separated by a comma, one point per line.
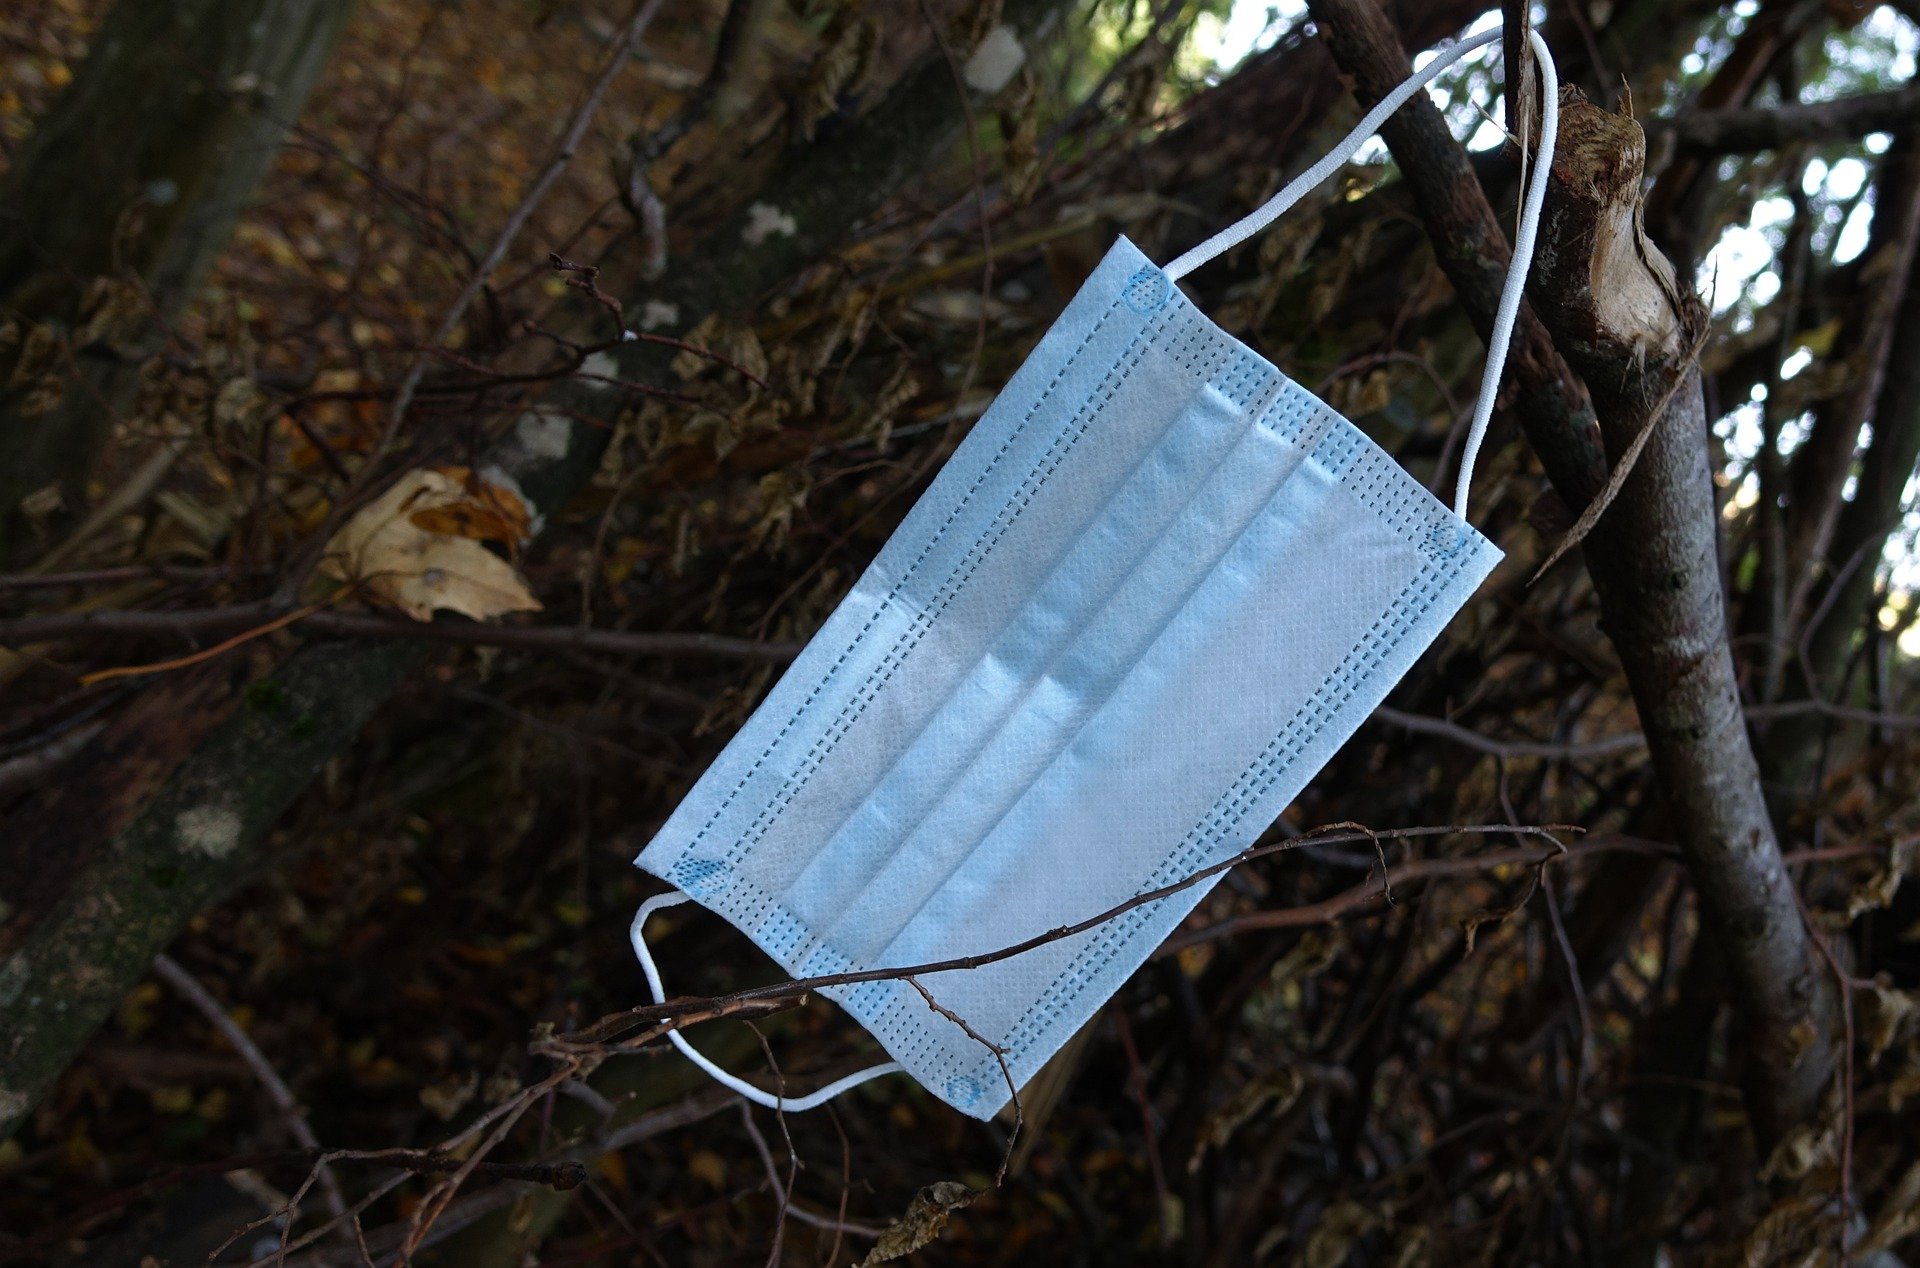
x=703, y=878
x=963, y=1091
x=1147, y=290
x=1446, y=538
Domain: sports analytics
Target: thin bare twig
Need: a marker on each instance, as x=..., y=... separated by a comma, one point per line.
x=270, y=1081
x=677, y=1013
x=1571, y=751
x=783, y=1192
x=246, y=616
x=570, y=138
x=114, y=576
x=999, y=1056
x=1369, y=891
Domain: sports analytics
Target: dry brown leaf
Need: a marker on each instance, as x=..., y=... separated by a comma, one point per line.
x=39, y=352
x=1273, y=1092
x=846, y=53
x=113, y=312
x=450, y=1095
x=781, y=495
x=1806, y=1147
x=893, y=396
x=1877, y=891
x=1020, y=126
x=487, y=513
x=925, y=1220
x=1884, y=1015
x=1344, y=1224
x=1416, y=1251
x=1783, y=1236
x=418, y=548
x=1905, y=1085
x=1899, y=1218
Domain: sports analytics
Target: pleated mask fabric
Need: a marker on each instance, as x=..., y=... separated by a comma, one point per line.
x=1150, y=595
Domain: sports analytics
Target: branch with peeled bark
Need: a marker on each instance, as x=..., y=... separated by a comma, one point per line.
x=1610, y=299
x=1619, y=320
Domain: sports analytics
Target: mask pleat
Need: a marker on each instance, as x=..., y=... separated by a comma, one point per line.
x=1134, y=779
x=1040, y=674
x=1165, y=566
x=1181, y=587
x=907, y=588
x=983, y=660
x=960, y=623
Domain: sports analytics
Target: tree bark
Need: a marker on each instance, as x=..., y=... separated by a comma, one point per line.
x=1711, y=133
x=1547, y=400
x=1654, y=558
x=1620, y=320
x=552, y=452
x=187, y=848
x=138, y=173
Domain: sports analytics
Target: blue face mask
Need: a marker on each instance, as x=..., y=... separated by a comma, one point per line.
x=1147, y=599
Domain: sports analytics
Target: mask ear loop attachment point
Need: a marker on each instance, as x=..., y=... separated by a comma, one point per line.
x=785, y=1104
x=1526, y=225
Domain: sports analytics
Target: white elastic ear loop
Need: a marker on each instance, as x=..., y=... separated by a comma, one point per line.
x=1526, y=227
x=789, y=1105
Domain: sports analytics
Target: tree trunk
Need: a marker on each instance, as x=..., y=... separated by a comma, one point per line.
x=552, y=453
x=137, y=174
x=189, y=846
x=1654, y=557
x=1619, y=319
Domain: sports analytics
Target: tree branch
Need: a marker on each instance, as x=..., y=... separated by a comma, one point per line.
x=1474, y=254
x=115, y=623
x=1619, y=319
x=1610, y=299
x=269, y=1078
x=1750, y=130
x=77, y=960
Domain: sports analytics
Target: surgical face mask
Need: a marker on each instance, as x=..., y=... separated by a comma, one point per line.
x=1151, y=594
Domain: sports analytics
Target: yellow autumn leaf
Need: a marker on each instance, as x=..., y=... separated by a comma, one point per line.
x=418, y=547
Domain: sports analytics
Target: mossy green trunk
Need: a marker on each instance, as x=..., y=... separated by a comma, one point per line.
x=193, y=844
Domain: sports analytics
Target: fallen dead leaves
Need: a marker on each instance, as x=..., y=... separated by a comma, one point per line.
x=439, y=539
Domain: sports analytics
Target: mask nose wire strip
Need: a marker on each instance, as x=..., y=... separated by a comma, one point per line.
x=786, y=1104
x=1526, y=227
